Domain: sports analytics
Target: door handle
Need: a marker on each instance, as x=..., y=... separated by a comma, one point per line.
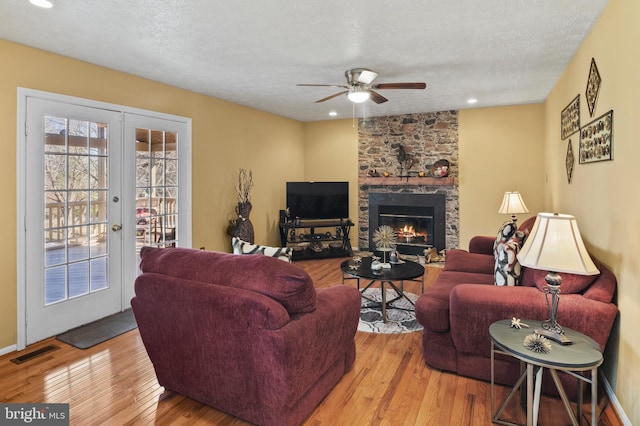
x=116, y=227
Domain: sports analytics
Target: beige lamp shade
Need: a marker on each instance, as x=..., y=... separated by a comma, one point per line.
x=512, y=204
x=555, y=244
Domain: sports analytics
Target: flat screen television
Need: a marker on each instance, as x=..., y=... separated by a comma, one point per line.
x=318, y=200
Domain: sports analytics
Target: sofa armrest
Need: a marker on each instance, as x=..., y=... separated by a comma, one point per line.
x=474, y=308
x=482, y=244
x=308, y=346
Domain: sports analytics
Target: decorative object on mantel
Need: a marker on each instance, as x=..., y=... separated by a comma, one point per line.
x=570, y=118
x=373, y=173
x=386, y=174
x=593, y=87
x=241, y=226
x=596, y=140
x=440, y=168
x=569, y=161
x=537, y=343
x=422, y=173
x=406, y=162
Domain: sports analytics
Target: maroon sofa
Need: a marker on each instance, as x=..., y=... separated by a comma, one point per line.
x=248, y=335
x=458, y=309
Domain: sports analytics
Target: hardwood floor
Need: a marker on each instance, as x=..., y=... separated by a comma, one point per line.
x=114, y=383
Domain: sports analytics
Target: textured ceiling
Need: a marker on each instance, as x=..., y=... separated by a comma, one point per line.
x=253, y=53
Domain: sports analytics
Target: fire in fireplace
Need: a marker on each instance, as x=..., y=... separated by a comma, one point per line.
x=410, y=229
x=417, y=219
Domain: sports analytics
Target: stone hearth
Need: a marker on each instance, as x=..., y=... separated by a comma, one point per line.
x=427, y=138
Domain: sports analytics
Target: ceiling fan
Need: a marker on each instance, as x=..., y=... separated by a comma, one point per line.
x=359, y=87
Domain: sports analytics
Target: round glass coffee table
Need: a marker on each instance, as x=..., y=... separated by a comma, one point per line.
x=405, y=270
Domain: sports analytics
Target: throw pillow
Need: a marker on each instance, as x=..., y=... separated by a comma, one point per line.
x=507, y=268
x=243, y=247
x=505, y=232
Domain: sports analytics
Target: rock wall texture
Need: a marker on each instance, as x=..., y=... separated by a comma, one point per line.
x=408, y=145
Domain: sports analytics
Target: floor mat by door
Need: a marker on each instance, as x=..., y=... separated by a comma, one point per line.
x=99, y=331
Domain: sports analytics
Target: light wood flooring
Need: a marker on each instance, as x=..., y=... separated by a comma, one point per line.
x=113, y=383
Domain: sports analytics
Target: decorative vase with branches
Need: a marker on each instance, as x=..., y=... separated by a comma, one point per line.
x=243, y=228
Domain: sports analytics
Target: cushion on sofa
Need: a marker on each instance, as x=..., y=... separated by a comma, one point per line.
x=244, y=247
x=571, y=283
x=284, y=282
x=464, y=261
x=507, y=268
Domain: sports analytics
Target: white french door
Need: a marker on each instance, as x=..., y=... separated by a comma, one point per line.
x=96, y=182
x=73, y=216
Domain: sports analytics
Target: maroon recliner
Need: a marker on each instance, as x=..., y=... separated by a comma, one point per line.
x=248, y=335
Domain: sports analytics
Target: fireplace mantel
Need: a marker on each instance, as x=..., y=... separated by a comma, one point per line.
x=411, y=181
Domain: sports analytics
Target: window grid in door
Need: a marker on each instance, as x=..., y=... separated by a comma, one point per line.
x=76, y=210
x=156, y=188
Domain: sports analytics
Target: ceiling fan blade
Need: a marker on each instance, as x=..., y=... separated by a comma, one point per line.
x=400, y=86
x=332, y=96
x=377, y=97
x=324, y=85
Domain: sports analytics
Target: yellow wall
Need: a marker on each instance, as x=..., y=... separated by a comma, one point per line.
x=604, y=196
x=226, y=137
x=331, y=154
x=500, y=150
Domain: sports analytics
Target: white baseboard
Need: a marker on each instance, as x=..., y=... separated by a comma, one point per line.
x=8, y=349
x=614, y=400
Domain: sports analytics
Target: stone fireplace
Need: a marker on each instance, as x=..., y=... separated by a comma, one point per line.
x=427, y=205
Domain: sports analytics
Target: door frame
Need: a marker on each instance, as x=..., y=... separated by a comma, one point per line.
x=21, y=196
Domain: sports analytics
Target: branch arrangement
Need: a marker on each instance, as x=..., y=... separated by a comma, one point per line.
x=245, y=183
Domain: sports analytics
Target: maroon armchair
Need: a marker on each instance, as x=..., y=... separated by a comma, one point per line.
x=248, y=335
x=458, y=309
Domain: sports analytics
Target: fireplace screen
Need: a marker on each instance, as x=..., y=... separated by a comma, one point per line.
x=411, y=230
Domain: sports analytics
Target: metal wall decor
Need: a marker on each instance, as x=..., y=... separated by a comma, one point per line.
x=569, y=161
x=570, y=118
x=593, y=87
x=596, y=140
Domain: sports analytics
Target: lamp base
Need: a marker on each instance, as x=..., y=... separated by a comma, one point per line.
x=555, y=336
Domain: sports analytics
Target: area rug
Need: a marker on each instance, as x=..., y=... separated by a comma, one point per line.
x=398, y=320
x=91, y=334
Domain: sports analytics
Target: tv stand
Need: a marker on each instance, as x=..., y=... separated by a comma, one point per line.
x=317, y=245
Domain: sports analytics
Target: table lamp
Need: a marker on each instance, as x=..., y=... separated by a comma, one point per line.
x=555, y=245
x=512, y=204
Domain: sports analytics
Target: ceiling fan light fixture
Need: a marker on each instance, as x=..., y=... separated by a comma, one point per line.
x=45, y=4
x=358, y=95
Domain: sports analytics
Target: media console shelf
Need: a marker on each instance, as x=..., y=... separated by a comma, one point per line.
x=307, y=243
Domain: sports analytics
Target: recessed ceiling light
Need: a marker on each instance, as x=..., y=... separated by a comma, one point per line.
x=333, y=113
x=42, y=3
x=472, y=101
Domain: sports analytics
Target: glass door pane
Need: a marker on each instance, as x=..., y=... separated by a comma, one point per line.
x=76, y=212
x=156, y=188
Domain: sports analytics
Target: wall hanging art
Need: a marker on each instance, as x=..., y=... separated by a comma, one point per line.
x=570, y=118
x=593, y=87
x=569, y=161
x=596, y=139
